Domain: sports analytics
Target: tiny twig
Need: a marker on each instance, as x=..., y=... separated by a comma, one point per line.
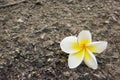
x=11, y=4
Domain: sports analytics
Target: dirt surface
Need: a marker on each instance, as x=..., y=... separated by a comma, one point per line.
x=31, y=30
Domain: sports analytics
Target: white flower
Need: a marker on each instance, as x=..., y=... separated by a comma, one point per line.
x=81, y=48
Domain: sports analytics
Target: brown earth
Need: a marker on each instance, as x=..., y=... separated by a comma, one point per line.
x=31, y=30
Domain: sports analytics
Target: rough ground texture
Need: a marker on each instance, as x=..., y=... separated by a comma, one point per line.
x=31, y=30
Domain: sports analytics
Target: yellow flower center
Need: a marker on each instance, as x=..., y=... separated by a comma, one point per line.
x=77, y=46
x=83, y=46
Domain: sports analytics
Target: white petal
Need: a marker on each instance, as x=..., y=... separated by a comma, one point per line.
x=75, y=59
x=70, y=44
x=84, y=37
x=90, y=60
x=98, y=47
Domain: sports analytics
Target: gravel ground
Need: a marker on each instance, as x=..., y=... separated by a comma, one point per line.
x=31, y=30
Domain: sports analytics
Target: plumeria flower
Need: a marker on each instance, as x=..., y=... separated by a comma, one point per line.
x=81, y=48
